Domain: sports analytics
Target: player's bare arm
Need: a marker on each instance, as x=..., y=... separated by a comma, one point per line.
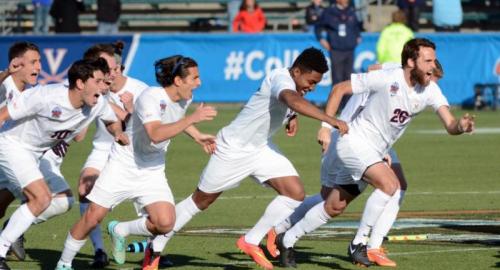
x=207, y=141
x=300, y=105
x=115, y=129
x=453, y=126
x=14, y=66
x=158, y=132
x=81, y=136
x=120, y=113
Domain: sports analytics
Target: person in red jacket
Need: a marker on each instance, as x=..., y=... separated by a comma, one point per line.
x=250, y=18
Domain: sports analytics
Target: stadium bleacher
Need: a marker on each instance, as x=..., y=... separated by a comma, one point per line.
x=211, y=15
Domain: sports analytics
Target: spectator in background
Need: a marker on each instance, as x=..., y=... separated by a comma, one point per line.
x=342, y=36
x=411, y=9
x=41, y=10
x=65, y=14
x=250, y=18
x=393, y=38
x=447, y=15
x=313, y=13
x=108, y=16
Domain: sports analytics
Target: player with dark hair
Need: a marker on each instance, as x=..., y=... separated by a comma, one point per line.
x=244, y=148
x=123, y=91
x=137, y=171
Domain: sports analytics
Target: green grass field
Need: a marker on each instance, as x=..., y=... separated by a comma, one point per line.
x=449, y=178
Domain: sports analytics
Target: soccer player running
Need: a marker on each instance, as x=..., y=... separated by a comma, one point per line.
x=22, y=73
x=122, y=94
x=397, y=96
x=137, y=171
x=244, y=148
x=330, y=166
x=42, y=117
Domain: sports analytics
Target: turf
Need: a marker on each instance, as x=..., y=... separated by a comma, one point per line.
x=449, y=177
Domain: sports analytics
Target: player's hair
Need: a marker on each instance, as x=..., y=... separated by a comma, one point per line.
x=84, y=69
x=412, y=48
x=119, y=45
x=244, y=6
x=19, y=48
x=438, y=71
x=167, y=69
x=96, y=50
x=311, y=59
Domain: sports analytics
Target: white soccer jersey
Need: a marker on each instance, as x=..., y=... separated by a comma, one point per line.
x=103, y=140
x=152, y=105
x=391, y=106
x=263, y=114
x=357, y=102
x=46, y=117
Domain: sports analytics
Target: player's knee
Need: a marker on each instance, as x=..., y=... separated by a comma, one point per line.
x=42, y=200
x=334, y=209
x=164, y=225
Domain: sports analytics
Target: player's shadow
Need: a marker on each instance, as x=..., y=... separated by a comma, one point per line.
x=303, y=256
x=183, y=261
x=497, y=265
x=48, y=258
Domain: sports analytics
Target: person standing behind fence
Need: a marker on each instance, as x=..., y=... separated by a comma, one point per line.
x=108, y=16
x=313, y=13
x=393, y=38
x=342, y=36
x=65, y=14
x=250, y=18
x=41, y=11
x=411, y=8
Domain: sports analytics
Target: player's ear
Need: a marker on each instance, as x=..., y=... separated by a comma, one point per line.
x=80, y=84
x=411, y=63
x=178, y=80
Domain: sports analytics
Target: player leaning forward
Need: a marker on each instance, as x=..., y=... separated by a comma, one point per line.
x=397, y=96
x=137, y=171
x=245, y=148
x=42, y=117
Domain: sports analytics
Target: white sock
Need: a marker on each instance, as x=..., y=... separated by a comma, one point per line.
x=298, y=213
x=58, y=206
x=313, y=219
x=385, y=221
x=279, y=209
x=71, y=248
x=305, y=206
x=184, y=211
x=373, y=209
x=96, y=234
x=135, y=227
x=19, y=223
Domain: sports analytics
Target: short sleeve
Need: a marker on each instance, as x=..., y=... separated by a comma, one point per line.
x=29, y=103
x=367, y=82
x=281, y=82
x=436, y=98
x=148, y=108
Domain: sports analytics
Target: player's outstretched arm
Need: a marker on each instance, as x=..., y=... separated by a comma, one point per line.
x=207, y=141
x=453, y=126
x=300, y=105
x=159, y=132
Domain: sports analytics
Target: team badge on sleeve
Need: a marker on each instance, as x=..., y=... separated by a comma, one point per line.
x=56, y=112
x=163, y=105
x=394, y=88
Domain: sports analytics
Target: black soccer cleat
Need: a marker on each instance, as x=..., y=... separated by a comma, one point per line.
x=3, y=264
x=100, y=260
x=17, y=248
x=286, y=255
x=358, y=255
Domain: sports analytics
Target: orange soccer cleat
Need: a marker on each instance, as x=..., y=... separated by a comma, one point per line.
x=271, y=243
x=151, y=259
x=255, y=252
x=378, y=256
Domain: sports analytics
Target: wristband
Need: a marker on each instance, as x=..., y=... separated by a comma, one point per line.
x=326, y=125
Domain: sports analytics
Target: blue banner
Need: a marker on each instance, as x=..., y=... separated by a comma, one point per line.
x=233, y=65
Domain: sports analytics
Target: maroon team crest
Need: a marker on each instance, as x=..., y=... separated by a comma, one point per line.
x=11, y=95
x=56, y=112
x=394, y=88
x=163, y=105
